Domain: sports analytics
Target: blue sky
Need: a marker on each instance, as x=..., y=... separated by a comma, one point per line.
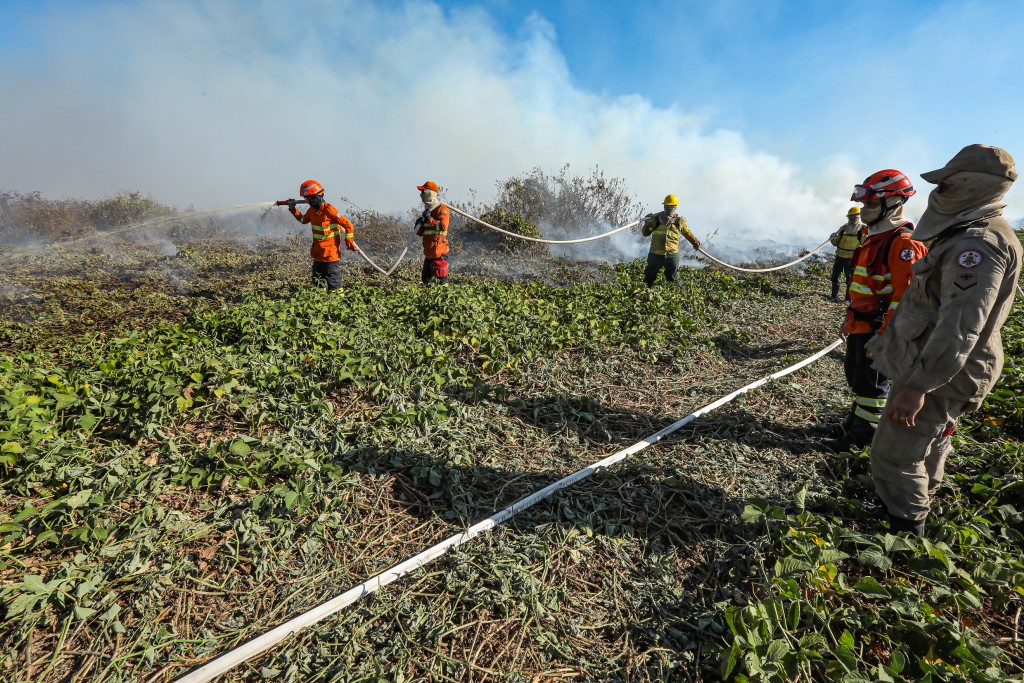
x=798, y=77
x=761, y=115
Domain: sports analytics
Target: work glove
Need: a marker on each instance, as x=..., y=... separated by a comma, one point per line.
x=696, y=243
x=291, y=205
x=350, y=244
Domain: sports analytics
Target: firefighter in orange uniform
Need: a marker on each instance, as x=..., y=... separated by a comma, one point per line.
x=432, y=226
x=327, y=225
x=881, y=274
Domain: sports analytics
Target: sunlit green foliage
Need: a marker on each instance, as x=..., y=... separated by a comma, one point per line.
x=181, y=470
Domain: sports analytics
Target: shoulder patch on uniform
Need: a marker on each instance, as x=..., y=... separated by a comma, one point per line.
x=907, y=254
x=969, y=258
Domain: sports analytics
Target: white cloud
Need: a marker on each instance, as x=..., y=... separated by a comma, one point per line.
x=221, y=103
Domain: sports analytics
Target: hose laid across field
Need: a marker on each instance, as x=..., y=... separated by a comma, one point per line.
x=261, y=644
x=630, y=225
x=389, y=271
x=538, y=239
x=380, y=270
x=385, y=273
x=766, y=270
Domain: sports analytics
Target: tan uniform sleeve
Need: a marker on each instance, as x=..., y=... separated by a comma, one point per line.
x=972, y=273
x=687, y=233
x=648, y=226
x=836, y=236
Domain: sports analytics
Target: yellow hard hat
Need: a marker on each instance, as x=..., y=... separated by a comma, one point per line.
x=671, y=200
x=854, y=211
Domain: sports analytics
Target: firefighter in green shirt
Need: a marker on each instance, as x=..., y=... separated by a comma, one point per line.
x=664, y=229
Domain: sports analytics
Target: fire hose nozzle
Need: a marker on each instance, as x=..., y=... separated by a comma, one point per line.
x=286, y=202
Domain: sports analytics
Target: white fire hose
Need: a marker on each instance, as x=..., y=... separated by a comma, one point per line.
x=262, y=643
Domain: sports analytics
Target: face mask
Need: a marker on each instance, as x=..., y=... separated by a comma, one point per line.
x=961, y=196
x=871, y=211
x=884, y=217
x=316, y=200
x=966, y=190
x=428, y=196
x=670, y=211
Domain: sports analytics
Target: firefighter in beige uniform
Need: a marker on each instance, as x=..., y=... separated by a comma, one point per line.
x=942, y=349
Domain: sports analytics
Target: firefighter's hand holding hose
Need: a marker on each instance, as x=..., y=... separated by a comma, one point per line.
x=290, y=203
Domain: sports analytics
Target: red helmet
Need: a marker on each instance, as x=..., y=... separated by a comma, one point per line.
x=310, y=188
x=887, y=183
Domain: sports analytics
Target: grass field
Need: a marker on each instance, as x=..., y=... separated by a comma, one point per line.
x=195, y=445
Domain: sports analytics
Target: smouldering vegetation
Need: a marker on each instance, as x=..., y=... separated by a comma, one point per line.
x=196, y=446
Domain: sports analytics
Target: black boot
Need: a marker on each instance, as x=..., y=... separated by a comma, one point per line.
x=856, y=437
x=837, y=429
x=840, y=444
x=897, y=524
x=831, y=430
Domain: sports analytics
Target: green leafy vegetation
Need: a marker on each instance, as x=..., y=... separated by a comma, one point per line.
x=184, y=467
x=514, y=223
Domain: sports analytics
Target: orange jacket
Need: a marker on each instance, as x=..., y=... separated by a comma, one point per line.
x=325, y=223
x=879, y=280
x=434, y=231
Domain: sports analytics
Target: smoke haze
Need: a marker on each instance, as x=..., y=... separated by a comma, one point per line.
x=210, y=104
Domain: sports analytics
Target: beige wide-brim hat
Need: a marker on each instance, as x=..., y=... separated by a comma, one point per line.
x=979, y=158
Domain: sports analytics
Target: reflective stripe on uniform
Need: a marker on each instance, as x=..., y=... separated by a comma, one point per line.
x=872, y=282
x=869, y=402
x=867, y=415
x=322, y=233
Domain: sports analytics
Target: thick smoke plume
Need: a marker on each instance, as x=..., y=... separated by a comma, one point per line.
x=226, y=103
